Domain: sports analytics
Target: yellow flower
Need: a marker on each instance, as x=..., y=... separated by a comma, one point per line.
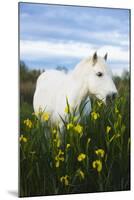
x=56, y=138
x=57, y=142
x=108, y=129
x=61, y=152
x=95, y=115
x=68, y=145
x=116, y=110
x=80, y=173
x=23, y=139
x=57, y=164
x=28, y=123
x=81, y=157
x=88, y=141
x=99, y=103
x=45, y=116
x=54, y=131
x=100, y=152
x=69, y=126
x=59, y=158
x=78, y=128
x=74, y=118
x=66, y=109
x=97, y=164
x=65, y=180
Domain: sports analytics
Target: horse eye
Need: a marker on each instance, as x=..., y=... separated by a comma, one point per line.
x=99, y=74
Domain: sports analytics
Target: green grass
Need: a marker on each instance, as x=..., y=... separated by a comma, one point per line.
x=49, y=166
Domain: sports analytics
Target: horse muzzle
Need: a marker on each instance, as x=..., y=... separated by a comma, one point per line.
x=110, y=97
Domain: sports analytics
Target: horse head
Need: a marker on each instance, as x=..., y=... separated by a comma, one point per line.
x=99, y=79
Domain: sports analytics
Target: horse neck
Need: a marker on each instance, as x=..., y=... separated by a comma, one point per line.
x=82, y=69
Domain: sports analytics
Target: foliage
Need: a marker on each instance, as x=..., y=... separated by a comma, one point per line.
x=88, y=154
x=27, y=82
x=26, y=74
x=62, y=68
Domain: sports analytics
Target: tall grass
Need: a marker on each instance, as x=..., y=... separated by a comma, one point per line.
x=89, y=154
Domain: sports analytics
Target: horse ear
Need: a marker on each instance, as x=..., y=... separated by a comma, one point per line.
x=105, y=57
x=94, y=58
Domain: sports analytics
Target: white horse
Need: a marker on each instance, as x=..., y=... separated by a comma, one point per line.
x=90, y=77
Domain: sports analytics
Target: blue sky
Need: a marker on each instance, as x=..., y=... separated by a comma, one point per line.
x=53, y=35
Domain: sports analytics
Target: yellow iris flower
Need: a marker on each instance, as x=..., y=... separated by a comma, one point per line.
x=108, y=129
x=68, y=146
x=69, y=126
x=65, y=180
x=45, y=116
x=59, y=158
x=80, y=173
x=81, y=157
x=100, y=153
x=66, y=109
x=97, y=164
x=78, y=128
x=28, y=123
x=23, y=139
x=95, y=115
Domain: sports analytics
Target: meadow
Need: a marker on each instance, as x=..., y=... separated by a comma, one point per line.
x=90, y=154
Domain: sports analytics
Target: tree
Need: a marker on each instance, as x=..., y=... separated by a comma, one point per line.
x=126, y=75
x=62, y=68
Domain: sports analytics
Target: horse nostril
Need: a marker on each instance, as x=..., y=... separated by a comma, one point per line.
x=108, y=97
x=114, y=95
x=111, y=97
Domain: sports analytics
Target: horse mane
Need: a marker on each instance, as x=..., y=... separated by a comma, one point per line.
x=81, y=68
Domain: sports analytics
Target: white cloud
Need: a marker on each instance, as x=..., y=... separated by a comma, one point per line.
x=41, y=49
x=118, y=70
x=36, y=50
x=54, y=30
x=115, y=53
